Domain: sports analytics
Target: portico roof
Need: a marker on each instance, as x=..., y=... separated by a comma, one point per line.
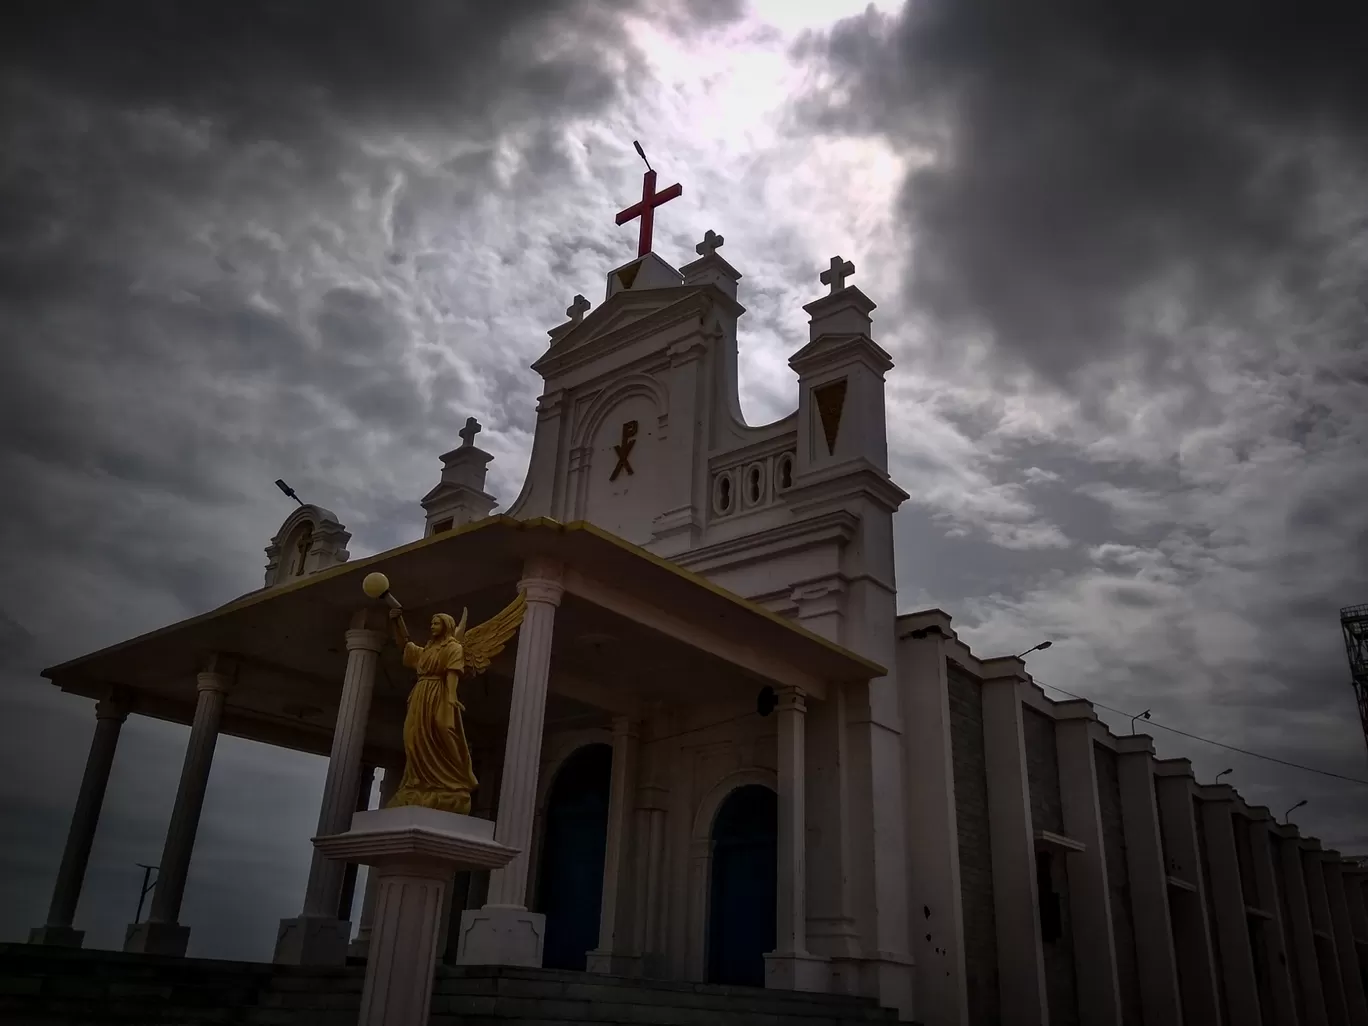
x=633, y=627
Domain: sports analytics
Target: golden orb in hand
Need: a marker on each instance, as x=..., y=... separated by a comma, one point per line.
x=375, y=584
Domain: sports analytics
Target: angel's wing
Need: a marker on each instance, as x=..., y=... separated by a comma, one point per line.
x=484, y=642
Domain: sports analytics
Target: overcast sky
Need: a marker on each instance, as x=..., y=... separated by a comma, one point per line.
x=1119, y=253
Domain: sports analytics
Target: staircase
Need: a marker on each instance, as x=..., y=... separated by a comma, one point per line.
x=52, y=986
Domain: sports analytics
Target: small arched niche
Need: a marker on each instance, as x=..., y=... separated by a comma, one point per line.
x=311, y=539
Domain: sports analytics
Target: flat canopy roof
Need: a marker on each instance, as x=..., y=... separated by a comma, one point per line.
x=632, y=626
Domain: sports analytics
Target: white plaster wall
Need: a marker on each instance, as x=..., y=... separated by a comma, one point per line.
x=628, y=505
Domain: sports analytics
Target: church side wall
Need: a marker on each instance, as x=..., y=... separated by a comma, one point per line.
x=1042, y=770
x=1118, y=881
x=976, y=860
x=1204, y=868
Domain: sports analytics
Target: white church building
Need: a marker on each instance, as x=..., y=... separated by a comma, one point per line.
x=720, y=751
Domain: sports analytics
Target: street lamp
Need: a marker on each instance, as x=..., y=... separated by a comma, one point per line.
x=147, y=885
x=1139, y=716
x=1293, y=809
x=1038, y=648
x=1221, y=774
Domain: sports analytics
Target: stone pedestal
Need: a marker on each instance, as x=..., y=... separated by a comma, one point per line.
x=501, y=935
x=610, y=964
x=413, y=853
x=787, y=971
x=155, y=938
x=312, y=940
x=56, y=936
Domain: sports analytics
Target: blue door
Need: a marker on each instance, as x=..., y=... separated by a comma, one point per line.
x=744, y=881
x=570, y=884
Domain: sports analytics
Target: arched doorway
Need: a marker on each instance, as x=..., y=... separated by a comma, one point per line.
x=570, y=883
x=741, y=906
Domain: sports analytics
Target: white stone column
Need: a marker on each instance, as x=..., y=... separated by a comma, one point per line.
x=389, y=784
x=1187, y=894
x=110, y=714
x=790, y=966
x=1351, y=972
x=1228, y=905
x=791, y=918
x=1094, y=943
x=317, y=936
x=1021, y=955
x=162, y=933
x=503, y=932
x=1155, y=958
x=614, y=954
x=1301, y=935
x=652, y=805
x=831, y=927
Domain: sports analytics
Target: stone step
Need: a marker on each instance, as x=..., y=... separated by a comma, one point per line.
x=472, y=981
x=106, y=988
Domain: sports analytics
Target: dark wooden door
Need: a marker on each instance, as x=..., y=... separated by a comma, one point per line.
x=741, y=915
x=571, y=877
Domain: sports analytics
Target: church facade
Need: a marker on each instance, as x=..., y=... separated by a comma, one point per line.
x=724, y=753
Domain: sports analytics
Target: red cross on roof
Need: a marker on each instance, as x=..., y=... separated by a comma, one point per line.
x=650, y=199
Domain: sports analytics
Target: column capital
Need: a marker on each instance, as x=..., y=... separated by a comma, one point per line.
x=364, y=640
x=791, y=697
x=210, y=680
x=542, y=580
x=111, y=709
x=625, y=726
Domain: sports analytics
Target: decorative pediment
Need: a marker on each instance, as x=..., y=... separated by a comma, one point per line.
x=623, y=309
x=629, y=316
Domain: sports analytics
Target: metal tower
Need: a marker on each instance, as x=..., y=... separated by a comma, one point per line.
x=1354, y=623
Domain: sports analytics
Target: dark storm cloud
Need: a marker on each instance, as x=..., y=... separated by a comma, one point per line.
x=1097, y=169
x=225, y=257
x=279, y=70
x=1156, y=209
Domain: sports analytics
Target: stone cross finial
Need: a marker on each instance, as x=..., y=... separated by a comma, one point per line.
x=710, y=244
x=576, y=310
x=836, y=275
x=468, y=433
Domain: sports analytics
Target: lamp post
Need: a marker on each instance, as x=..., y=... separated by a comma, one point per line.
x=1221, y=774
x=1038, y=648
x=1139, y=716
x=146, y=886
x=1293, y=809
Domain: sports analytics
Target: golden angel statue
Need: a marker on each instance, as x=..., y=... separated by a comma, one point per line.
x=437, y=770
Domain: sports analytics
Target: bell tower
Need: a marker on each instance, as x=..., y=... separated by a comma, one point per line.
x=840, y=384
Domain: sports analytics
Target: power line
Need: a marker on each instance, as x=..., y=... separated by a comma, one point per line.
x=1218, y=744
x=1100, y=705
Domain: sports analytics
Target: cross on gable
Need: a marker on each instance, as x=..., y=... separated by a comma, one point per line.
x=710, y=244
x=836, y=274
x=576, y=310
x=650, y=199
x=468, y=433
